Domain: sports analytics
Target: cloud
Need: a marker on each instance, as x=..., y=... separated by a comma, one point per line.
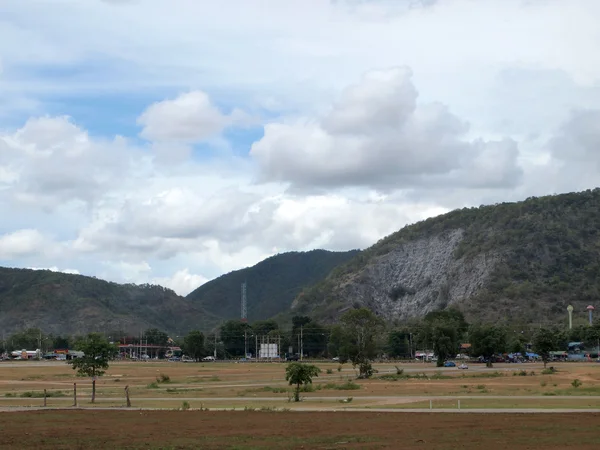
x=377, y=135
x=56, y=269
x=190, y=117
x=23, y=243
x=50, y=161
x=183, y=282
x=579, y=138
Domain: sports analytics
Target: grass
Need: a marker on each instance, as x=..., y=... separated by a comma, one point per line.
x=347, y=386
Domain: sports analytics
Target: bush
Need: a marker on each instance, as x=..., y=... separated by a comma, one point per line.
x=185, y=406
x=339, y=368
x=399, y=371
x=152, y=386
x=163, y=378
x=347, y=386
x=329, y=371
x=549, y=371
x=576, y=383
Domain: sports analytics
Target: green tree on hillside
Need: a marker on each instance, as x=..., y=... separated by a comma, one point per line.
x=300, y=374
x=97, y=353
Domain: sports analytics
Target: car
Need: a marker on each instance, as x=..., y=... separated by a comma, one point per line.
x=208, y=358
x=463, y=366
x=186, y=359
x=449, y=364
x=292, y=358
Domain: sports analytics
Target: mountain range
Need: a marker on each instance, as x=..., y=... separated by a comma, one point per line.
x=523, y=261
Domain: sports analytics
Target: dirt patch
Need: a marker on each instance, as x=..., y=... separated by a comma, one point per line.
x=291, y=430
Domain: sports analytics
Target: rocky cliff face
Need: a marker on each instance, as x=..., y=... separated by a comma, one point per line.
x=418, y=277
x=414, y=278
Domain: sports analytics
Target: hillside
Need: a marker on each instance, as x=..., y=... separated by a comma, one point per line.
x=272, y=284
x=509, y=261
x=69, y=304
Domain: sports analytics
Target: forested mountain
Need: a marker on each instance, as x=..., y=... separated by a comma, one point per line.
x=271, y=284
x=70, y=304
x=521, y=261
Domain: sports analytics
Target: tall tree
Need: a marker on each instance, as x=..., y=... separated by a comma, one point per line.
x=193, y=344
x=97, y=351
x=360, y=328
x=300, y=374
x=154, y=336
x=264, y=327
x=443, y=331
x=544, y=341
x=487, y=340
x=235, y=335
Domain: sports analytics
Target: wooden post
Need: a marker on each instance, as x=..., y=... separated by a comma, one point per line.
x=44, y=397
x=127, y=396
x=74, y=394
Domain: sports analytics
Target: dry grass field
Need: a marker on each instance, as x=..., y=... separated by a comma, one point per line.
x=231, y=385
x=246, y=406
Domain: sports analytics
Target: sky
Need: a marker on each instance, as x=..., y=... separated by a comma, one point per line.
x=145, y=141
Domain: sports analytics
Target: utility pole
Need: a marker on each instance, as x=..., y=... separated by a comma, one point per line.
x=215, y=352
x=301, y=342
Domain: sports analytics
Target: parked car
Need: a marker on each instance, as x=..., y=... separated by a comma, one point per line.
x=449, y=364
x=463, y=366
x=292, y=358
x=187, y=359
x=208, y=358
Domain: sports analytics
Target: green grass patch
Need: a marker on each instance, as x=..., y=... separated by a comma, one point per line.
x=39, y=394
x=347, y=386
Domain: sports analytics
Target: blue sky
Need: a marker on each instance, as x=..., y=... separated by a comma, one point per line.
x=171, y=142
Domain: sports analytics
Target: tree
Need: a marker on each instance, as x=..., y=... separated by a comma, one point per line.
x=443, y=330
x=487, y=340
x=232, y=335
x=398, y=343
x=154, y=336
x=544, y=341
x=193, y=344
x=300, y=374
x=314, y=337
x=97, y=351
x=360, y=328
x=264, y=327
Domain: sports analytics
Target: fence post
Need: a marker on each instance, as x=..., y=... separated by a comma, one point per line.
x=74, y=394
x=127, y=396
x=44, y=397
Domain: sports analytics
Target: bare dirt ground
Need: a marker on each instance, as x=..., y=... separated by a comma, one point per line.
x=295, y=430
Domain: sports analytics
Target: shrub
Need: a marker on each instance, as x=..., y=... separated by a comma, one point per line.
x=185, y=406
x=163, y=378
x=399, y=371
x=576, y=383
x=329, y=371
x=543, y=383
x=152, y=386
x=339, y=368
x=549, y=371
